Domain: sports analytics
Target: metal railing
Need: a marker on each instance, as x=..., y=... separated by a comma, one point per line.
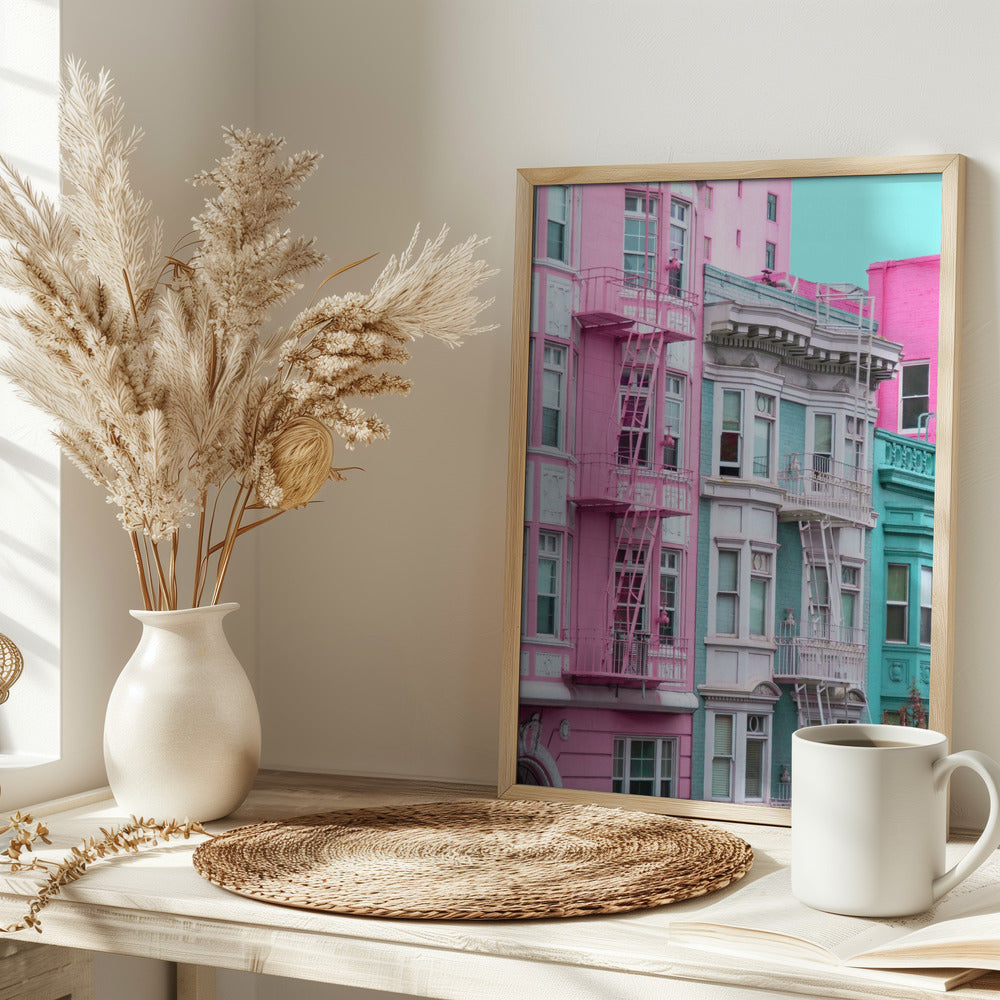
x=600, y=478
x=614, y=658
x=812, y=480
x=822, y=650
x=610, y=292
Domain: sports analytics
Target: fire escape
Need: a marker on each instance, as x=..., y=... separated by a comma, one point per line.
x=824, y=656
x=628, y=481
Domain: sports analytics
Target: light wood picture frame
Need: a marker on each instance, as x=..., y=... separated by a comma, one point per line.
x=731, y=474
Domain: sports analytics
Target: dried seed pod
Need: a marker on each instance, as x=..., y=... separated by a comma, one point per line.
x=301, y=456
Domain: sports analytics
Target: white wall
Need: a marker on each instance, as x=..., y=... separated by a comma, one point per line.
x=380, y=610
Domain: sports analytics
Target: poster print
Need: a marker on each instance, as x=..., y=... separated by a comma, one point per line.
x=729, y=477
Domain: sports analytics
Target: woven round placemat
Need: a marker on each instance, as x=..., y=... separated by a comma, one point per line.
x=475, y=860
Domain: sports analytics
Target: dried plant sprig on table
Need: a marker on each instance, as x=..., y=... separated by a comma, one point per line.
x=164, y=388
x=126, y=839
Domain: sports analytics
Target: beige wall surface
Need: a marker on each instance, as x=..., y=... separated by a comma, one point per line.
x=372, y=622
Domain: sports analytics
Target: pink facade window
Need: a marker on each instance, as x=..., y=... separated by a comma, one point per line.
x=644, y=766
x=708, y=196
x=772, y=207
x=739, y=237
x=556, y=243
x=670, y=561
x=549, y=578
x=640, y=238
x=915, y=396
x=636, y=412
x=708, y=249
x=554, y=396
x=770, y=255
x=673, y=421
x=679, y=229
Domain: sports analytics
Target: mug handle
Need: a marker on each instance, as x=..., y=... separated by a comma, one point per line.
x=989, y=839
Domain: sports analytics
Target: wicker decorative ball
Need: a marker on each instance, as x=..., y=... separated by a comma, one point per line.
x=11, y=663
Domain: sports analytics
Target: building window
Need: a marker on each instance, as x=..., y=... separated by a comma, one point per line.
x=644, y=766
x=722, y=757
x=740, y=757
x=708, y=196
x=727, y=597
x=673, y=422
x=731, y=435
x=763, y=434
x=635, y=414
x=897, y=602
x=850, y=598
x=819, y=601
x=772, y=207
x=640, y=239
x=630, y=573
x=770, y=255
x=739, y=237
x=554, y=396
x=739, y=189
x=854, y=442
x=669, y=586
x=679, y=212
x=925, y=605
x=756, y=757
x=822, y=460
x=549, y=575
x=760, y=593
x=556, y=247
x=708, y=248
x=916, y=399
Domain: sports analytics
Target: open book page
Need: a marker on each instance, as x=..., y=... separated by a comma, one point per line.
x=966, y=941
x=766, y=912
x=784, y=926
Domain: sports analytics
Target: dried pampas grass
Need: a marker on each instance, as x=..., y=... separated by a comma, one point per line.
x=163, y=387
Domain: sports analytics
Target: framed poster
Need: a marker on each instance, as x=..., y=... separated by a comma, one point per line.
x=731, y=472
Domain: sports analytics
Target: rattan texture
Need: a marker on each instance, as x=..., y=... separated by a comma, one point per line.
x=475, y=860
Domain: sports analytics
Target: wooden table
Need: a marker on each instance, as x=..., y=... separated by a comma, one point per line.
x=155, y=905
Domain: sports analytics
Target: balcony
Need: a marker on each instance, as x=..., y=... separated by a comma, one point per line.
x=602, y=483
x=816, y=488
x=644, y=661
x=612, y=299
x=821, y=651
x=904, y=463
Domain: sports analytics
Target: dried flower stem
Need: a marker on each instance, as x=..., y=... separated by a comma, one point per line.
x=141, y=569
x=201, y=540
x=126, y=839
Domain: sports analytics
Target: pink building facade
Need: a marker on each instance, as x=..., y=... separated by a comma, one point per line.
x=906, y=295
x=614, y=440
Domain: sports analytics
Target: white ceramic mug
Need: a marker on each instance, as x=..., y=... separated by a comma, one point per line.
x=869, y=820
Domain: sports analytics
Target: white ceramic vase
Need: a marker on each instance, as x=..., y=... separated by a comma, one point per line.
x=182, y=731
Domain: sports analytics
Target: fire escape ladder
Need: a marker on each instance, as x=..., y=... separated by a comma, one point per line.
x=641, y=361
